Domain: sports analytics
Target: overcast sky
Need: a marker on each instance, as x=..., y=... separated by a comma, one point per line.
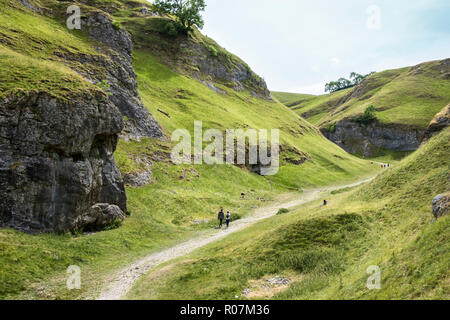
x=298, y=45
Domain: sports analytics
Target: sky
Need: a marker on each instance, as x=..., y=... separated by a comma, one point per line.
x=298, y=45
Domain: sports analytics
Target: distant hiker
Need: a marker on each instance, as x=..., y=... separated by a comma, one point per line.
x=228, y=219
x=325, y=203
x=389, y=165
x=221, y=216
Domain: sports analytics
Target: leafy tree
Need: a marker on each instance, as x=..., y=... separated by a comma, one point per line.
x=368, y=115
x=186, y=11
x=344, y=83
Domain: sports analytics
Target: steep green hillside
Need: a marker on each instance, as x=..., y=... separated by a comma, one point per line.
x=324, y=252
x=179, y=200
x=410, y=96
x=292, y=99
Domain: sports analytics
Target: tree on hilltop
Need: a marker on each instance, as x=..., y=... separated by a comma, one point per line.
x=186, y=11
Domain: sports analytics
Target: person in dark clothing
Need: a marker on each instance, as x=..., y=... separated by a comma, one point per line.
x=221, y=216
x=228, y=219
x=325, y=202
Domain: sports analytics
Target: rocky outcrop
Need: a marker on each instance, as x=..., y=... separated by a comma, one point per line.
x=198, y=57
x=238, y=74
x=367, y=138
x=57, y=170
x=140, y=178
x=115, y=74
x=122, y=78
x=441, y=205
x=439, y=123
x=30, y=6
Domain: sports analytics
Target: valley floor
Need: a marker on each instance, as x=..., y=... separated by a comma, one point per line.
x=317, y=252
x=122, y=282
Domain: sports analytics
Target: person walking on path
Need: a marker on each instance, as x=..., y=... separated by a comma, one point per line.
x=228, y=219
x=221, y=217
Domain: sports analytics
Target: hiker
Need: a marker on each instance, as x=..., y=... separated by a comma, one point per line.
x=325, y=203
x=228, y=219
x=221, y=217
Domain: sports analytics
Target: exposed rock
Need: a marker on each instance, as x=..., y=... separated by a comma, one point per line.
x=365, y=139
x=211, y=85
x=198, y=58
x=115, y=65
x=239, y=74
x=441, y=205
x=279, y=281
x=101, y=214
x=141, y=178
x=138, y=179
x=57, y=161
x=439, y=123
x=30, y=6
x=146, y=12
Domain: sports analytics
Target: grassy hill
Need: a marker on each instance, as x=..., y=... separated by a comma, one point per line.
x=410, y=96
x=292, y=99
x=324, y=252
x=180, y=200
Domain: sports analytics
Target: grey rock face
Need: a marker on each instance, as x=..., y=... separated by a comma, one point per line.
x=441, y=205
x=142, y=178
x=119, y=74
x=365, y=139
x=56, y=162
x=439, y=123
x=30, y=6
x=101, y=214
x=138, y=179
x=239, y=74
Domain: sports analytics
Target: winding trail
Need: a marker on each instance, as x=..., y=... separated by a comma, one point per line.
x=120, y=283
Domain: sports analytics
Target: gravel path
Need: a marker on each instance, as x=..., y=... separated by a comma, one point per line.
x=121, y=282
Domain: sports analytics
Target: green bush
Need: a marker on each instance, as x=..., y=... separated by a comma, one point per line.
x=368, y=115
x=168, y=27
x=213, y=51
x=283, y=211
x=331, y=127
x=117, y=25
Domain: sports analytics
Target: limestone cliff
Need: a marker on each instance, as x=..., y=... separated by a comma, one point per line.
x=365, y=139
x=57, y=170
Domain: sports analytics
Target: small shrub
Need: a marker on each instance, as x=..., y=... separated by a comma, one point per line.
x=236, y=216
x=331, y=127
x=283, y=211
x=116, y=25
x=168, y=27
x=213, y=51
x=104, y=85
x=368, y=116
